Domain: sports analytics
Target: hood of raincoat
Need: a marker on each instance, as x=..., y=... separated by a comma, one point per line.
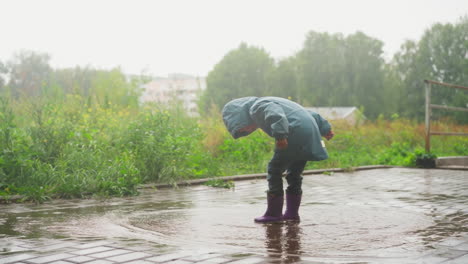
x=322, y=123
x=236, y=115
x=279, y=118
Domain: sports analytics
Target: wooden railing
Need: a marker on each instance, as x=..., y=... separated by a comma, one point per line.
x=430, y=106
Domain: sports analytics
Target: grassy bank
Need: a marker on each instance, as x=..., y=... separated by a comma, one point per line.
x=71, y=148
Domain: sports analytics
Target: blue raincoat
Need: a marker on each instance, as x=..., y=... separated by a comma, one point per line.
x=280, y=118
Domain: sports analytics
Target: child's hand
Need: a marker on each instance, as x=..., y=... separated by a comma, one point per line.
x=330, y=135
x=282, y=143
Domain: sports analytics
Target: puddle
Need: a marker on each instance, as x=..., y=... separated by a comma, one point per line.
x=342, y=215
x=323, y=229
x=453, y=225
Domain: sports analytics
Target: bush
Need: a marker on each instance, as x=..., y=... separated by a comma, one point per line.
x=68, y=150
x=74, y=148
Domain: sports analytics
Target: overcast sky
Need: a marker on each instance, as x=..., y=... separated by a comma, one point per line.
x=191, y=36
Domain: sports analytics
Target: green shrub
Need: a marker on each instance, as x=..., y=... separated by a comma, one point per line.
x=219, y=183
x=76, y=148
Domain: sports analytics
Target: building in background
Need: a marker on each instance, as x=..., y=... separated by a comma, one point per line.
x=176, y=88
x=352, y=115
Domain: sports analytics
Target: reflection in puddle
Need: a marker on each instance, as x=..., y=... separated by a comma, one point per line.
x=352, y=229
x=283, y=241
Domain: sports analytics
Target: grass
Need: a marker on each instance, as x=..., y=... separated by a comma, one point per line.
x=219, y=183
x=67, y=149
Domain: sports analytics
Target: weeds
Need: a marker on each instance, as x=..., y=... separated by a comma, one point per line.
x=219, y=183
x=75, y=148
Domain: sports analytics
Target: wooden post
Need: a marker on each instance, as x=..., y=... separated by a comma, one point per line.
x=428, y=117
x=429, y=107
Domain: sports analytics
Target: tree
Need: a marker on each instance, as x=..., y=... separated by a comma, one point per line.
x=242, y=72
x=405, y=70
x=284, y=80
x=29, y=73
x=393, y=92
x=364, y=66
x=76, y=80
x=321, y=65
x=440, y=55
x=342, y=71
x=113, y=87
x=3, y=72
x=104, y=87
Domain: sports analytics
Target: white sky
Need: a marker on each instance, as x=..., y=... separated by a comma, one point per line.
x=191, y=36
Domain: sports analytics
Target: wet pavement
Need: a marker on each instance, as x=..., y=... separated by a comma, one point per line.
x=394, y=215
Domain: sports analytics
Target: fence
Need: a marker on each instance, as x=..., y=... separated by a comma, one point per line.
x=430, y=106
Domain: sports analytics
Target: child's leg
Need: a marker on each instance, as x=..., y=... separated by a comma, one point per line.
x=275, y=196
x=294, y=177
x=294, y=190
x=276, y=167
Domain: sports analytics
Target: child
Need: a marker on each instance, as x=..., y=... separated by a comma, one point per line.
x=297, y=132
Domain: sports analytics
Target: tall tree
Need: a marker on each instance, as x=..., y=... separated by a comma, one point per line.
x=3, y=72
x=113, y=87
x=242, y=72
x=98, y=86
x=404, y=65
x=342, y=71
x=321, y=64
x=393, y=93
x=284, y=80
x=76, y=80
x=365, y=65
x=440, y=55
x=29, y=73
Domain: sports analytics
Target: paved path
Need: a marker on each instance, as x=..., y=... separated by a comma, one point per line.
x=394, y=215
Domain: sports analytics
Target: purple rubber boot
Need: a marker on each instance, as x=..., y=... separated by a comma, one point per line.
x=293, y=201
x=274, y=209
